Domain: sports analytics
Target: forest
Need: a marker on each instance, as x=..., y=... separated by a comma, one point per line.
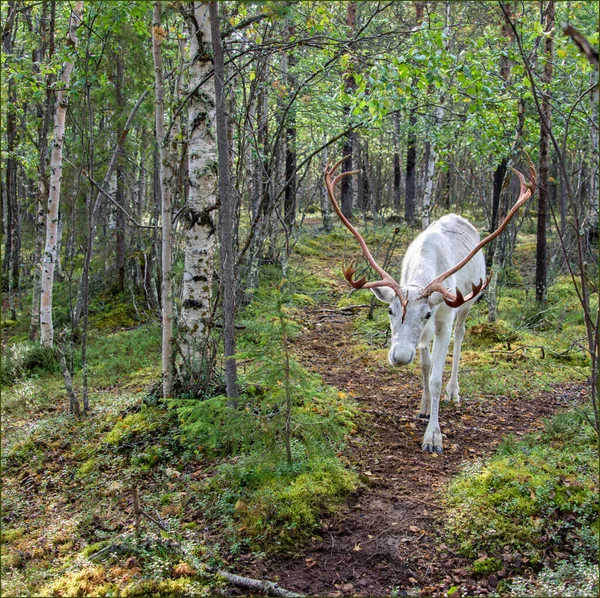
x=240, y=251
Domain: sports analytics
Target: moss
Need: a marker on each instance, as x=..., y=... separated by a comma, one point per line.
x=183, y=586
x=274, y=508
x=93, y=548
x=136, y=424
x=535, y=494
x=485, y=566
x=305, y=250
x=90, y=581
x=10, y=535
x=86, y=468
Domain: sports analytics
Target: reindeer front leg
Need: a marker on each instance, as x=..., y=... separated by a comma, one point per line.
x=432, y=441
x=425, y=371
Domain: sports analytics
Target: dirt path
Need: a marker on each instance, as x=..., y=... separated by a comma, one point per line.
x=385, y=540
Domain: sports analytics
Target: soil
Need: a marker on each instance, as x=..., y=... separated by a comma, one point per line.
x=387, y=540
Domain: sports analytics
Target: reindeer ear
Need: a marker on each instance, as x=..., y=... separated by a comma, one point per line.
x=384, y=294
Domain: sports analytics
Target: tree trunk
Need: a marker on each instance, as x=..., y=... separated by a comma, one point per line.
x=200, y=227
x=12, y=250
x=411, y=162
x=346, y=187
x=289, y=212
x=165, y=166
x=411, y=147
x=543, y=181
x=226, y=213
x=397, y=193
x=49, y=260
x=120, y=192
x=45, y=115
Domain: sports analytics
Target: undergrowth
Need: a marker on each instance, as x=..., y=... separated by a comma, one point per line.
x=286, y=431
x=534, y=501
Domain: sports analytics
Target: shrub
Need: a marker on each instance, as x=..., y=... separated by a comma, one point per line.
x=26, y=358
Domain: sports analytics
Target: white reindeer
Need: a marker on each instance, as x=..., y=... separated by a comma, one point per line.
x=421, y=308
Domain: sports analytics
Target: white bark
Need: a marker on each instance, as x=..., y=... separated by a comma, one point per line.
x=202, y=155
x=166, y=191
x=50, y=253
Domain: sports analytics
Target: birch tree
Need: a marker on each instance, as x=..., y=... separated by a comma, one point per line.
x=166, y=185
x=200, y=230
x=49, y=259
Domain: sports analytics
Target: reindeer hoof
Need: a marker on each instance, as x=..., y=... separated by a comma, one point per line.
x=421, y=416
x=428, y=448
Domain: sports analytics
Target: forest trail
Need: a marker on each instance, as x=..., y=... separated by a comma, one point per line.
x=384, y=541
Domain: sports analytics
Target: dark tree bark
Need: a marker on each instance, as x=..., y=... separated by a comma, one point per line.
x=541, y=282
x=411, y=163
x=411, y=147
x=227, y=212
x=346, y=188
x=11, y=252
x=290, y=147
x=397, y=190
x=120, y=194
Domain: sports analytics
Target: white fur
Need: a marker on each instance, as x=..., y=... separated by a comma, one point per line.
x=438, y=248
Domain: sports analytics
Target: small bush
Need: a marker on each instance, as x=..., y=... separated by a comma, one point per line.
x=27, y=358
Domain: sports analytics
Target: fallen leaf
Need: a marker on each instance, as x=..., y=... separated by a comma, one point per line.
x=310, y=562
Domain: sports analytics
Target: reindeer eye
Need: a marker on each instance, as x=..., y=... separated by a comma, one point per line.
x=428, y=315
x=390, y=311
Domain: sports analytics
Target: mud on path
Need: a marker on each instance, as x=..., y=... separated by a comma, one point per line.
x=386, y=539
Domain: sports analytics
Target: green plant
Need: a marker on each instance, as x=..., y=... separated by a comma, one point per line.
x=534, y=494
x=25, y=359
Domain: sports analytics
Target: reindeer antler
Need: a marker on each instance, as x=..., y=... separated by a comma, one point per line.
x=456, y=300
x=386, y=279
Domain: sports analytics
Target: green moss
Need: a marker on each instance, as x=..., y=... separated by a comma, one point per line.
x=91, y=581
x=135, y=424
x=305, y=250
x=277, y=507
x=86, y=468
x=95, y=547
x=485, y=566
x=10, y=535
x=184, y=586
x=534, y=494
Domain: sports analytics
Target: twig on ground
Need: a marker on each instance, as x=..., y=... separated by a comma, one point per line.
x=268, y=587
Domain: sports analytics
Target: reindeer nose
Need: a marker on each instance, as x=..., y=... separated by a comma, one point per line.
x=401, y=355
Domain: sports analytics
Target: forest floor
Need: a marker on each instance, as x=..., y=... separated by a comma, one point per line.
x=387, y=539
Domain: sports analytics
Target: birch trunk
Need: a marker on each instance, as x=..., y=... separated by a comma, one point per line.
x=166, y=192
x=45, y=112
x=200, y=227
x=49, y=259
